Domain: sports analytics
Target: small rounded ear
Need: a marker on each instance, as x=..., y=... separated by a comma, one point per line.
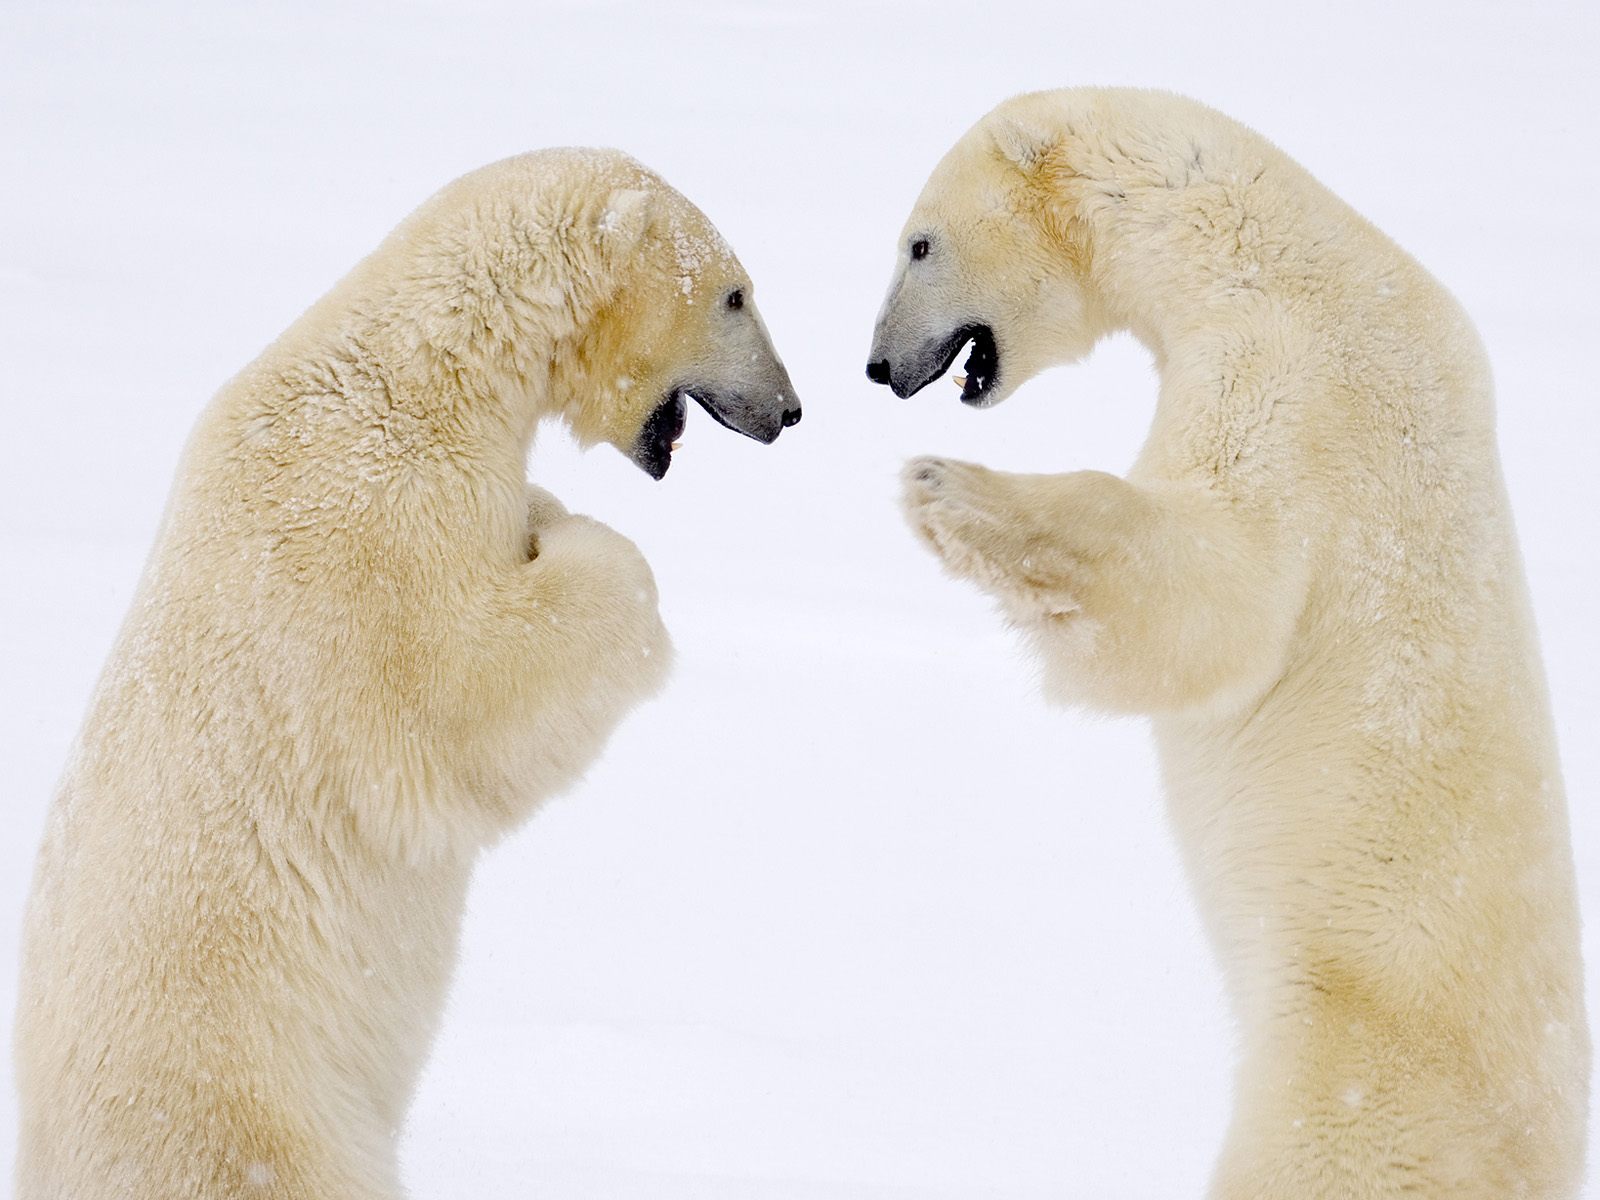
x=1021, y=141
x=625, y=220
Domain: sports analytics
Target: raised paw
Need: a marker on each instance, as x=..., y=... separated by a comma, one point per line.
x=980, y=525
x=946, y=506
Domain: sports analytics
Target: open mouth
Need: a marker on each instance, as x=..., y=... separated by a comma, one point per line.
x=982, y=369
x=662, y=432
x=660, y=436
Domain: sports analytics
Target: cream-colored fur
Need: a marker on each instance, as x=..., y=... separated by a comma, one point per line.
x=1311, y=580
x=363, y=649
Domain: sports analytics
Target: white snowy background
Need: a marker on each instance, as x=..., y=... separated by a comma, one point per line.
x=846, y=913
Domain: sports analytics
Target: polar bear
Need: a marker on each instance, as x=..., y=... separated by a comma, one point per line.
x=1310, y=580
x=363, y=648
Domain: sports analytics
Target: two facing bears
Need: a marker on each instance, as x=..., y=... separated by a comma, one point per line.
x=365, y=647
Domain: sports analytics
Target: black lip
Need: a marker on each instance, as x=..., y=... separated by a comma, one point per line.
x=652, y=450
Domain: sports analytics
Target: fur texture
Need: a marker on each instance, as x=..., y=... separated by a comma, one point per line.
x=1311, y=580
x=363, y=649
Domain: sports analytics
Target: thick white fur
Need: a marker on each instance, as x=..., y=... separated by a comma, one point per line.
x=363, y=648
x=1311, y=580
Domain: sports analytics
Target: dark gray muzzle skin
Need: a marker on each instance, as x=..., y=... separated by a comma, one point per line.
x=909, y=371
x=760, y=405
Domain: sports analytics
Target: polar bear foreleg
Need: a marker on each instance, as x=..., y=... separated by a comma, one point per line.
x=1143, y=599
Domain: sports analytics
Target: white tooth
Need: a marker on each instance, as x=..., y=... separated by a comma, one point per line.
x=961, y=380
x=677, y=443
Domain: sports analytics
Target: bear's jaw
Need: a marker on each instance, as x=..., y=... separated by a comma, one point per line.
x=733, y=410
x=731, y=407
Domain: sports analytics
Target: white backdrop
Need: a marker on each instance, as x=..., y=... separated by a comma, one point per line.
x=847, y=912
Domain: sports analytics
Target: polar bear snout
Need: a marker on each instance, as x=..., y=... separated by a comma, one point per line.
x=759, y=403
x=932, y=357
x=748, y=390
x=762, y=420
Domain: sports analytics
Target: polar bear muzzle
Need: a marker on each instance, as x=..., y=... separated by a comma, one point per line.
x=735, y=375
x=934, y=357
x=762, y=419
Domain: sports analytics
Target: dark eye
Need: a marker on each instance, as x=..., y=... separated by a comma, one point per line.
x=736, y=298
x=919, y=248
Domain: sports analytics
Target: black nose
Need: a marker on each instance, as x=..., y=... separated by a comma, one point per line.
x=878, y=371
x=791, y=417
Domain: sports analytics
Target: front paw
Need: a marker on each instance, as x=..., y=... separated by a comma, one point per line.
x=607, y=589
x=945, y=506
x=982, y=528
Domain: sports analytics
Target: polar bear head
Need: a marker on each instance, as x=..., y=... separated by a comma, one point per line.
x=582, y=286
x=677, y=321
x=993, y=256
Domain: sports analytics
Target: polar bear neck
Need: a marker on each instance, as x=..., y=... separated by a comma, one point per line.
x=453, y=327
x=1186, y=215
x=370, y=395
x=1239, y=271
x=1237, y=245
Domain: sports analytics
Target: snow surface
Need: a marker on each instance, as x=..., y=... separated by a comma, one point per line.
x=847, y=913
